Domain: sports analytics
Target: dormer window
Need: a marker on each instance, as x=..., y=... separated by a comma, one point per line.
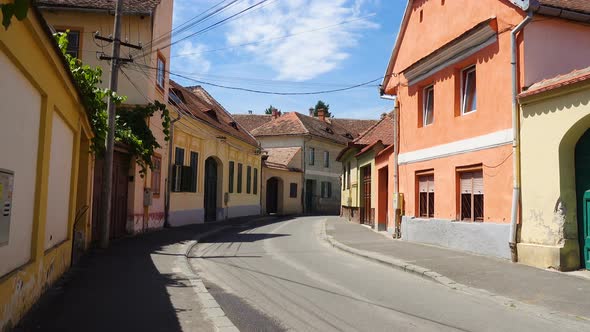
x=329, y=130
x=212, y=114
x=233, y=124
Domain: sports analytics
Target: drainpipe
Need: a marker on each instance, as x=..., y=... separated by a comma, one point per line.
x=170, y=170
x=396, y=208
x=516, y=137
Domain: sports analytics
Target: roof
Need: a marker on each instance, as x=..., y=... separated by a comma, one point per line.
x=205, y=108
x=354, y=126
x=557, y=82
x=280, y=158
x=582, y=6
x=294, y=123
x=252, y=121
x=381, y=131
x=129, y=6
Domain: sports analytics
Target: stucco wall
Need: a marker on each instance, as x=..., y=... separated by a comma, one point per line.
x=19, y=154
x=547, y=39
x=549, y=216
x=480, y=238
x=60, y=176
x=286, y=204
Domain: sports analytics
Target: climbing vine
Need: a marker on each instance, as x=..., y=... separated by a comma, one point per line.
x=131, y=127
x=17, y=8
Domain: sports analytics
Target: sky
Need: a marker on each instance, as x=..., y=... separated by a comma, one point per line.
x=288, y=46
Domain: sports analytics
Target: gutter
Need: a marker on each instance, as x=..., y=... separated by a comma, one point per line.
x=515, y=137
x=396, y=194
x=91, y=10
x=170, y=170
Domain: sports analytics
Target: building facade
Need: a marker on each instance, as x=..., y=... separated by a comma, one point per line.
x=555, y=172
x=215, y=166
x=138, y=201
x=454, y=88
x=45, y=170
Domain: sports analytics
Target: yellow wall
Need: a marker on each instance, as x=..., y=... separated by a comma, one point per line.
x=30, y=51
x=286, y=204
x=552, y=123
x=195, y=136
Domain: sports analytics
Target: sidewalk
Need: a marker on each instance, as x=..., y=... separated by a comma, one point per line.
x=135, y=285
x=553, y=290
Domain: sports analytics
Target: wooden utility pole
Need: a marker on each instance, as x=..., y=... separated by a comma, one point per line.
x=107, y=174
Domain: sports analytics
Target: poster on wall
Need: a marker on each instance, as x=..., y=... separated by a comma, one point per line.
x=6, y=187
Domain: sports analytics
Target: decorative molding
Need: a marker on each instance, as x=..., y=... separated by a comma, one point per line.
x=478, y=143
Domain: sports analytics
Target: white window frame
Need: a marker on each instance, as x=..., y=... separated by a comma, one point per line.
x=425, y=97
x=464, y=74
x=160, y=72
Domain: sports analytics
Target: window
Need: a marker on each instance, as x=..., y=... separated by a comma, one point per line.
x=426, y=195
x=326, y=190
x=311, y=156
x=231, y=177
x=239, y=178
x=255, y=181
x=428, y=106
x=293, y=190
x=468, y=90
x=73, y=42
x=348, y=177
x=156, y=174
x=194, y=168
x=344, y=177
x=471, y=195
x=326, y=159
x=248, y=179
x=161, y=71
x=177, y=170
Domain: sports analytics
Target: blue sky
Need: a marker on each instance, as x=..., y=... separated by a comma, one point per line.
x=333, y=44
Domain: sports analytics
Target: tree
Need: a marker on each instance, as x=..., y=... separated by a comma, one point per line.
x=323, y=105
x=131, y=128
x=270, y=109
x=18, y=9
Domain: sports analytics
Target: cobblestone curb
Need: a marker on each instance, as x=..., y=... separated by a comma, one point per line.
x=211, y=308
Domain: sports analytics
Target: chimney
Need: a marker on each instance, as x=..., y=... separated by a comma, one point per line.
x=311, y=111
x=275, y=113
x=249, y=111
x=383, y=115
x=322, y=114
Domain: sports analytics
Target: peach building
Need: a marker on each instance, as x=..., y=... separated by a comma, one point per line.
x=453, y=79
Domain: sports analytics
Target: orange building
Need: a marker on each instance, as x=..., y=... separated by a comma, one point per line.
x=453, y=78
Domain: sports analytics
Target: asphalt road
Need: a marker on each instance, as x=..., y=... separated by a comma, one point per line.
x=284, y=276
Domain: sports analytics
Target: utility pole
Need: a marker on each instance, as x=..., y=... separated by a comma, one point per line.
x=107, y=172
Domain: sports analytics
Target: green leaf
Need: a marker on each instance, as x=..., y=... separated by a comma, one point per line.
x=21, y=7
x=7, y=13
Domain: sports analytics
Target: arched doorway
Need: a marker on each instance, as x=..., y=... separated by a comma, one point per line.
x=582, y=156
x=272, y=195
x=210, y=189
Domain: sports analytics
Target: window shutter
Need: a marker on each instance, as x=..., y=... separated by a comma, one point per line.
x=323, y=189
x=478, y=182
x=255, y=181
x=423, y=184
x=466, y=183
x=177, y=178
x=431, y=183
x=186, y=179
x=329, y=187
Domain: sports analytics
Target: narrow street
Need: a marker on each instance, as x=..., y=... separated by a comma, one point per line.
x=284, y=276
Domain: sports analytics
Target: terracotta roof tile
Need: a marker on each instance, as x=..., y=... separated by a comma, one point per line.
x=280, y=158
x=252, y=121
x=129, y=6
x=573, y=77
x=205, y=108
x=354, y=126
x=582, y=6
x=383, y=131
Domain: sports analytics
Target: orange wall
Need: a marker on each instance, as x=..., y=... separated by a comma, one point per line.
x=497, y=177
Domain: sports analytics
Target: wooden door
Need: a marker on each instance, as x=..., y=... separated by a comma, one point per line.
x=582, y=176
x=272, y=195
x=309, y=196
x=120, y=185
x=210, y=190
x=366, y=197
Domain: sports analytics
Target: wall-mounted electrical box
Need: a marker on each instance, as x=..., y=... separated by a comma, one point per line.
x=6, y=188
x=147, y=196
x=398, y=201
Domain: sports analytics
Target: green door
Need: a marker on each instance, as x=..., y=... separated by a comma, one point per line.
x=583, y=197
x=586, y=231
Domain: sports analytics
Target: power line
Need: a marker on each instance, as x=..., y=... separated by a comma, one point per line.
x=274, y=39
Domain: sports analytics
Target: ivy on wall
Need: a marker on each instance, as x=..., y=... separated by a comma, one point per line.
x=132, y=128
x=18, y=9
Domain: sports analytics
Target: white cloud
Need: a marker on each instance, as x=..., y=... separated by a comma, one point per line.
x=191, y=56
x=306, y=55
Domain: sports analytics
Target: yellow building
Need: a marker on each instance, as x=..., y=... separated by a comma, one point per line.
x=282, y=181
x=555, y=138
x=216, y=168
x=45, y=165
x=138, y=206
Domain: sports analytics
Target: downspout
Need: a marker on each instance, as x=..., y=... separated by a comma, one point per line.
x=396, y=208
x=515, y=137
x=170, y=170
